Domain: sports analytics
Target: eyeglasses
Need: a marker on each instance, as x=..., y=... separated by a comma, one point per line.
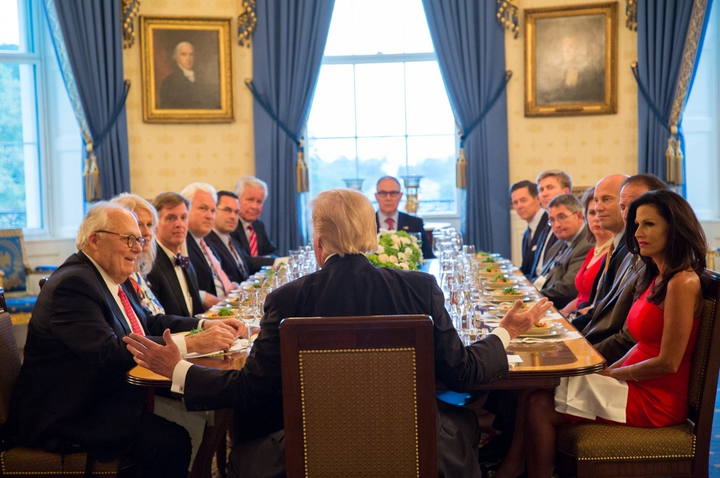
x=384, y=194
x=558, y=218
x=130, y=239
x=228, y=210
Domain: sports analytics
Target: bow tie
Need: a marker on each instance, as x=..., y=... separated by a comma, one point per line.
x=182, y=261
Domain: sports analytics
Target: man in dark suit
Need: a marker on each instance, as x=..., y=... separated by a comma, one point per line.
x=185, y=88
x=346, y=285
x=251, y=233
x=172, y=278
x=72, y=389
x=229, y=251
x=551, y=183
x=213, y=281
x=388, y=196
x=604, y=325
x=557, y=281
x=526, y=202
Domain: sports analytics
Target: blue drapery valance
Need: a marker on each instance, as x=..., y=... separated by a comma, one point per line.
x=87, y=35
x=470, y=45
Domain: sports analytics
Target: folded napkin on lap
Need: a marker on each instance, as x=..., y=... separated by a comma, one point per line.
x=592, y=396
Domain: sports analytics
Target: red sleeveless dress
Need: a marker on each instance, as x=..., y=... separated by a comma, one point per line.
x=661, y=401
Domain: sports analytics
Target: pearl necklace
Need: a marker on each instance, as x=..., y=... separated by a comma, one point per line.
x=601, y=249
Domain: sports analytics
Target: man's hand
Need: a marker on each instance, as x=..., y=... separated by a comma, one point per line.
x=518, y=323
x=235, y=326
x=210, y=340
x=209, y=300
x=161, y=359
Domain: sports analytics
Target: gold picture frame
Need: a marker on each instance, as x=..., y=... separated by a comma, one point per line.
x=571, y=60
x=186, y=70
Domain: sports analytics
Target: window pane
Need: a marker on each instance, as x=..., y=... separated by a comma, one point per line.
x=20, y=204
x=433, y=157
x=377, y=27
x=428, y=108
x=329, y=162
x=340, y=36
x=417, y=33
x=333, y=107
x=380, y=99
x=14, y=30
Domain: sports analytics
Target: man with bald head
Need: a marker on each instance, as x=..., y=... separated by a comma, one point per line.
x=72, y=390
x=604, y=325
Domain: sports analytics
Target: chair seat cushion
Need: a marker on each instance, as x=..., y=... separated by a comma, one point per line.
x=23, y=303
x=602, y=442
x=37, y=462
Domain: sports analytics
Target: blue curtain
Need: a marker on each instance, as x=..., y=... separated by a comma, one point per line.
x=288, y=45
x=88, y=41
x=470, y=45
x=669, y=33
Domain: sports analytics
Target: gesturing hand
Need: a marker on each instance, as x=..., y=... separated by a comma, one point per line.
x=517, y=323
x=161, y=359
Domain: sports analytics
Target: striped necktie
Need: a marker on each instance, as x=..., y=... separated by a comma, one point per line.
x=253, y=242
x=216, y=268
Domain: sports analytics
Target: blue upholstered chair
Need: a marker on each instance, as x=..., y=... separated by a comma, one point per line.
x=14, y=274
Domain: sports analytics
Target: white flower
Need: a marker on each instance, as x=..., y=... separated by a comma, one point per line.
x=404, y=265
x=383, y=257
x=405, y=240
x=393, y=259
x=408, y=252
x=380, y=249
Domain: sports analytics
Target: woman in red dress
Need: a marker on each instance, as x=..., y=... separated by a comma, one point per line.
x=602, y=238
x=663, y=229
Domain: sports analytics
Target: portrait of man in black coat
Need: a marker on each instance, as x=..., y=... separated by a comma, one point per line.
x=187, y=86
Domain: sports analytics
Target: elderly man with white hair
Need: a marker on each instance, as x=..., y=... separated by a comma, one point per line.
x=72, y=391
x=346, y=285
x=251, y=232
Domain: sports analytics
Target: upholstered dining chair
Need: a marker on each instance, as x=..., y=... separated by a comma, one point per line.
x=359, y=396
x=25, y=462
x=601, y=450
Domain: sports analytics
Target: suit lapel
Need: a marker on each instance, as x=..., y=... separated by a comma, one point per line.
x=169, y=272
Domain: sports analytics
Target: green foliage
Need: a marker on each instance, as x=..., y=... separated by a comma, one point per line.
x=396, y=250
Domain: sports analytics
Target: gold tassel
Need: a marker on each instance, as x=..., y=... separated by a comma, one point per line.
x=95, y=172
x=679, y=159
x=461, y=171
x=91, y=174
x=301, y=171
x=670, y=161
x=87, y=176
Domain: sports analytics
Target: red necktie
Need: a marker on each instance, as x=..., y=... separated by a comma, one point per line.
x=134, y=322
x=217, y=269
x=253, y=242
x=390, y=223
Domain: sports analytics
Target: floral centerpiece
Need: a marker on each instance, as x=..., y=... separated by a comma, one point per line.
x=397, y=250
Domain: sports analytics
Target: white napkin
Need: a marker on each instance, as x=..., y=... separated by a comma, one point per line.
x=547, y=340
x=592, y=396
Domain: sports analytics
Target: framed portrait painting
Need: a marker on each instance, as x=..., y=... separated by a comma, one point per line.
x=186, y=70
x=571, y=60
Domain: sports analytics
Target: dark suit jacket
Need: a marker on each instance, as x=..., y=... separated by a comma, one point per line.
x=176, y=91
x=234, y=272
x=203, y=271
x=559, y=285
x=72, y=383
x=265, y=246
x=409, y=223
x=542, y=250
x=164, y=284
x=605, y=325
x=537, y=241
x=618, y=265
x=345, y=286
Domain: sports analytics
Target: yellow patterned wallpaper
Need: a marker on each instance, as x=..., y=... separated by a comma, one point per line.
x=587, y=147
x=167, y=157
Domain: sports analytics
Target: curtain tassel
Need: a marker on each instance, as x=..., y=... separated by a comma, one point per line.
x=91, y=175
x=461, y=170
x=679, y=159
x=631, y=15
x=301, y=172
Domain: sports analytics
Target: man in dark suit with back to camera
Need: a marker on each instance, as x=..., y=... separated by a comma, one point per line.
x=251, y=233
x=172, y=278
x=526, y=202
x=388, y=196
x=346, y=285
x=229, y=251
x=72, y=389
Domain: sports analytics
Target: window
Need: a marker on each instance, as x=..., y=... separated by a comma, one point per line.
x=701, y=127
x=36, y=123
x=380, y=106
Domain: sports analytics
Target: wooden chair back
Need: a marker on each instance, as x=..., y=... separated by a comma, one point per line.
x=359, y=396
x=599, y=450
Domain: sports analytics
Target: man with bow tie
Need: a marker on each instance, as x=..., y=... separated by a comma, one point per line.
x=172, y=278
x=72, y=391
x=388, y=196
